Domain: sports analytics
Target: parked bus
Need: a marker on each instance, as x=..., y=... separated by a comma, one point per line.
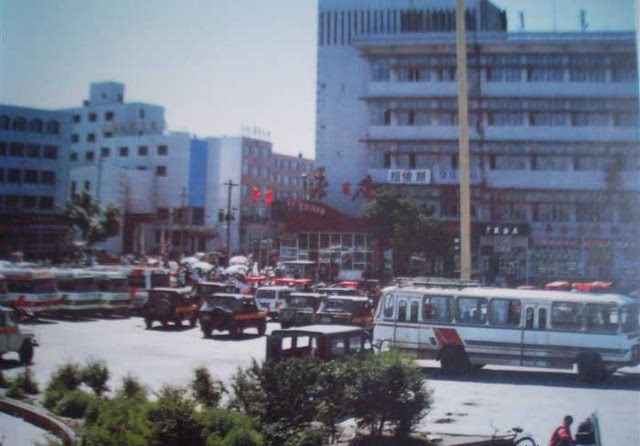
x=114, y=292
x=78, y=291
x=469, y=328
x=30, y=289
x=140, y=280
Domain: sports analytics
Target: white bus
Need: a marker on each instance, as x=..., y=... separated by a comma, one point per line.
x=79, y=294
x=30, y=289
x=114, y=291
x=468, y=328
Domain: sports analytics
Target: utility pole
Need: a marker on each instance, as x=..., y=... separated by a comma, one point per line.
x=463, y=119
x=230, y=185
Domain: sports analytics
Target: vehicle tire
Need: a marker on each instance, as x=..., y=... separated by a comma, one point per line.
x=192, y=321
x=591, y=368
x=206, y=330
x=164, y=322
x=178, y=322
x=148, y=322
x=454, y=360
x=26, y=352
x=525, y=441
x=262, y=328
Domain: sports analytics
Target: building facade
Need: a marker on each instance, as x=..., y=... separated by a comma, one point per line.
x=553, y=132
x=34, y=169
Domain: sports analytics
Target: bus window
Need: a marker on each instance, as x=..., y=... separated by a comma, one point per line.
x=413, y=313
x=388, y=306
x=302, y=341
x=437, y=308
x=528, y=318
x=542, y=319
x=601, y=317
x=566, y=315
x=472, y=310
x=629, y=318
x=504, y=312
x=402, y=310
x=355, y=343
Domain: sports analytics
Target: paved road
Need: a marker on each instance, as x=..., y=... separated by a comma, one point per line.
x=501, y=396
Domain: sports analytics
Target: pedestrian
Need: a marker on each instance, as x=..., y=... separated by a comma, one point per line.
x=562, y=434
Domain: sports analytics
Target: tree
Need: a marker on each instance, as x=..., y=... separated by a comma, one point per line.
x=96, y=224
x=398, y=222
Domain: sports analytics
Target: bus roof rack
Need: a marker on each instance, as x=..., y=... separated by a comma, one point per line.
x=440, y=282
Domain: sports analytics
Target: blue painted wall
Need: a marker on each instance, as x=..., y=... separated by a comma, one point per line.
x=197, y=172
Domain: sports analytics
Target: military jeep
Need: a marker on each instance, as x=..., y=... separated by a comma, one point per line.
x=12, y=339
x=170, y=305
x=299, y=309
x=231, y=312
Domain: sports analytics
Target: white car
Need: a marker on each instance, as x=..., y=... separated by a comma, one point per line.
x=271, y=298
x=12, y=339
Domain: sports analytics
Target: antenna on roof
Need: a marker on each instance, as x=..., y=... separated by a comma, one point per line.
x=583, y=20
x=521, y=20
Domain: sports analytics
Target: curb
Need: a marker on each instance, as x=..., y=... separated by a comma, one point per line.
x=38, y=417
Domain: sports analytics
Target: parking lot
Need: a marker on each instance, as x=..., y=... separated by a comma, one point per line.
x=535, y=399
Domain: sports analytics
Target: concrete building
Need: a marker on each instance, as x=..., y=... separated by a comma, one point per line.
x=34, y=169
x=553, y=132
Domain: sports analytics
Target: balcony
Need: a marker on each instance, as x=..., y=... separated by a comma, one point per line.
x=411, y=133
x=411, y=89
x=560, y=89
x=554, y=134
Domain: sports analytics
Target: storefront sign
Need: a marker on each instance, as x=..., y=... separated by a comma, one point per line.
x=506, y=229
x=402, y=176
x=307, y=206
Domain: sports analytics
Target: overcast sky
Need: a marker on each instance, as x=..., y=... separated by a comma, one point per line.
x=215, y=65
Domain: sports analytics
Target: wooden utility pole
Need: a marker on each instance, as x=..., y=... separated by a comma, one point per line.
x=463, y=120
x=228, y=215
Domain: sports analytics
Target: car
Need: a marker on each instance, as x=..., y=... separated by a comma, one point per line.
x=170, y=305
x=346, y=310
x=323, y=342
x=12, y=339
x=271, y=298
x=231, y=312
x=299, y=309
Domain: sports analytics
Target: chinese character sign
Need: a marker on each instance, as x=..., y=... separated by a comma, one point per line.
x=409, y=176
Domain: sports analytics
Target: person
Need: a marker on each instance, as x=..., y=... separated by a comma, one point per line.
x=586, y=434
x=562, y=434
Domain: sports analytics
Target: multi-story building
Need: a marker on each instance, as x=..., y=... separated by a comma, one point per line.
x=553, y=132
x=34, y=170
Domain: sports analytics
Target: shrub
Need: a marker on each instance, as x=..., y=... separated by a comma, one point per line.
x=52, y=395
x=242, y=436
x=74, y=404
x=220, y=421
x=131, y=388
x=206, y=390
x=15, y=391
x=67, y=376
x=174, y=420
x=313, y=435
x=96, y=374
x=26, y=382
x=248, y=393
x=120, y=421
x=4, y=382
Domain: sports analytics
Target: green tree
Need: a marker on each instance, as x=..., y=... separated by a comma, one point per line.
x=96, y=224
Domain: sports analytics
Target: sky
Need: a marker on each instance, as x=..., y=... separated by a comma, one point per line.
x=214, y=65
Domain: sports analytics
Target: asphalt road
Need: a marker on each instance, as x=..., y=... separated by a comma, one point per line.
x=535, y=399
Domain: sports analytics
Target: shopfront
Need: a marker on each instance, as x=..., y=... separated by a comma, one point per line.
x=503, y=250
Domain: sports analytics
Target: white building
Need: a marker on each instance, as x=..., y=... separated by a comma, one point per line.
x=553, y=131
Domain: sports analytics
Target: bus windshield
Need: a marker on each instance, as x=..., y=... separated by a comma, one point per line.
x=630, y=317
x=31, y=286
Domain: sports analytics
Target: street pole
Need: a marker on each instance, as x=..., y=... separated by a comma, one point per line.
x=183, y=197
x=230, y=184
x=463, y=118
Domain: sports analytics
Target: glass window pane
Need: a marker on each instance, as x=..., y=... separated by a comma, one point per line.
x=472, y=310
x=566, y=315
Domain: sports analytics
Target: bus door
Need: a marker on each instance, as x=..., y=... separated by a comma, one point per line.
x=407, y=321
x=535, y=335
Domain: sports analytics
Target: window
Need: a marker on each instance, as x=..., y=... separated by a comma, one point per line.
x=75, y=138
x=413, y=313
x=19, y=124
x=505, y=312
x=29, y=202
x=33, y=151
x=601, y=317
x=141, y=113
x=11, y=202
x=388, y=306
x=108, y=116
x=87, y=185
x=141, y=168
x=73, y=188
x=503, y=119
x=437, y=308
x=402, y=310
x=35, y=126
x=3, y=148
x=46, y=203
x=14, y=176
x=566, y=315
x=123, y=151
x=73, y=156
x=93, y=117
x=47, y=177
x=31, y=176
x=91, y=137
x=108, y=134
x=380, y=70
x=76, y=118
x=472, y=310
x=104, y=152
x=161, y=171
x=1, y=178
x=585, y=119
x=16, y=149
x=52, y=127
x=143, y=151
x=506, y=162
x=51, y=152
x=162, y=150
x=542, y=319
x=528, y=319
x=89, y=156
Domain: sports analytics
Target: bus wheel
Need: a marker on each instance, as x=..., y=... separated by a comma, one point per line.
x=148, y=322
x=26, y=352
x=590, y=368
x=454, y=360
x=262, y=328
